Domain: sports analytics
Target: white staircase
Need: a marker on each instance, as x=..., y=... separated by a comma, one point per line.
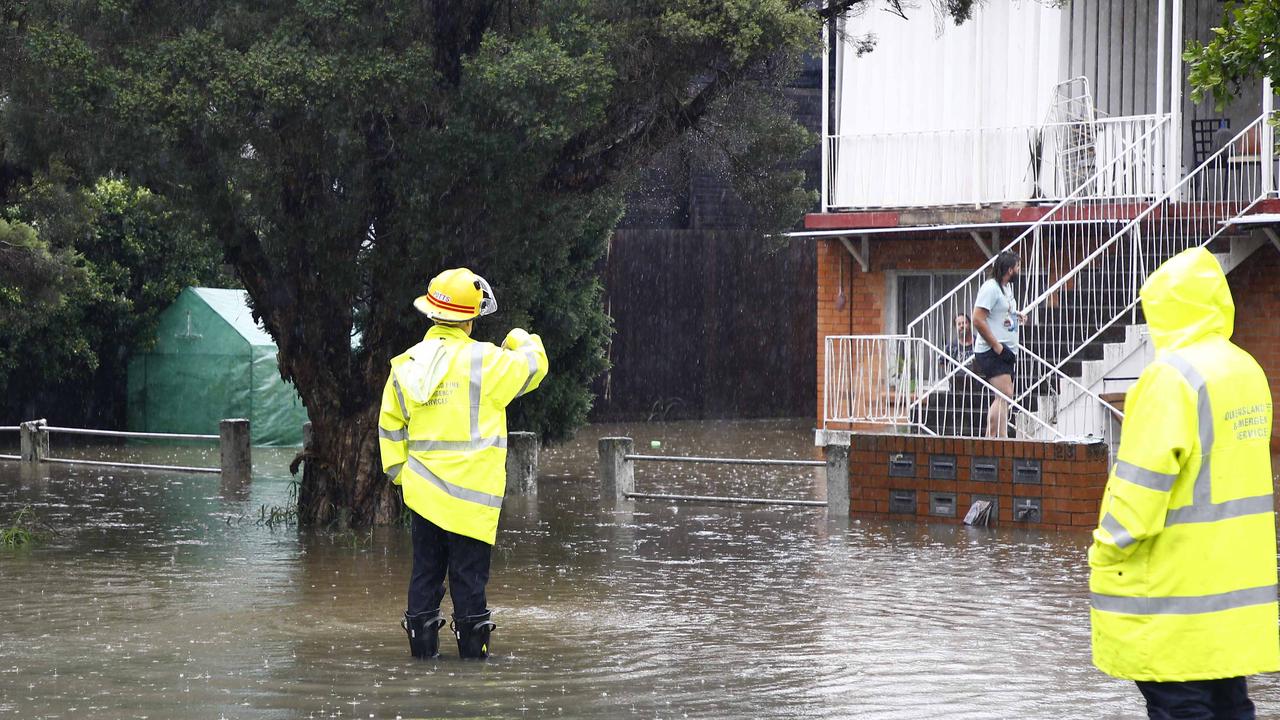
x=1122, y=362
x=1083, y=263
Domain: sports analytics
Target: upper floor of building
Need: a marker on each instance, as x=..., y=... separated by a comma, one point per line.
x=1025, y=104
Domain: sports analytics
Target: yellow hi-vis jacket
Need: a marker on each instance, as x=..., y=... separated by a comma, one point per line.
x=1183, y=562
x=443, y=426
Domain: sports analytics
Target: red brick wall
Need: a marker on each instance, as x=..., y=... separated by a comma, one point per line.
x=864, y=292
x=1255, y=287
x=1072, y=478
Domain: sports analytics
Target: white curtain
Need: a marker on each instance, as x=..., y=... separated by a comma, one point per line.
x=909, y=111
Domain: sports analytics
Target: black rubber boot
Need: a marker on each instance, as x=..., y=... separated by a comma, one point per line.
x=472, y=632
x=423, y=630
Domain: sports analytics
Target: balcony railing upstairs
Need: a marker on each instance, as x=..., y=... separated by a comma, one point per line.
x=947, y=397
x=1082, y=279
x=1035, y=163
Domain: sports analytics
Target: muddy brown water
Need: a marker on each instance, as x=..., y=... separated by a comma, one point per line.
x=164, y=595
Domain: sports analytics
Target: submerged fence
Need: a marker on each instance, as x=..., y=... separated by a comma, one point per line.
x=618, y=480
x=232, y=438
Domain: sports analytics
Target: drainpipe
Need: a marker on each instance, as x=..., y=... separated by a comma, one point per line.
x=1268, y=138
x=826, y=109
x=1175, y=101
x=1160, y=106
x=1159, y=64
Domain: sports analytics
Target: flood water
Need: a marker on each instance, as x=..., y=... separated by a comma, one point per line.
x=164, y=595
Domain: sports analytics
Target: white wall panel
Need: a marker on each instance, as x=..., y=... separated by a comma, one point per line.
x=995, y=71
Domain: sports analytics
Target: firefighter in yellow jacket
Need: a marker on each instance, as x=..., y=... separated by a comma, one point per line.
x=1183, y=562
x=443, y=436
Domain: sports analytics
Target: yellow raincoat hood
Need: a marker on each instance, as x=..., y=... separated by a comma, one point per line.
x=1187, y=299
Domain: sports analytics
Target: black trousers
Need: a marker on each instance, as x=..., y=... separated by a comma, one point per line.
x=437, y=552
x=1198, y=700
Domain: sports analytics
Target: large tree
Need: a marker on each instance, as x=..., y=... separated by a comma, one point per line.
x=345, y=150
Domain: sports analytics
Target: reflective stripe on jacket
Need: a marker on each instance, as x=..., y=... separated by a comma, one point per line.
x=443, y=426
x=1183, y=562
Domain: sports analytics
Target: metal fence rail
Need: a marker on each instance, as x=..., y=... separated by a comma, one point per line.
x=617, y=475
x=10, y=428
x=128, y=434
x=137, y=466
x=722, y=499
x=232, y=439
x=724, y=461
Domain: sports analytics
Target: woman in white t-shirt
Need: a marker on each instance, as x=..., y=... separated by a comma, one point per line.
x=996, y=318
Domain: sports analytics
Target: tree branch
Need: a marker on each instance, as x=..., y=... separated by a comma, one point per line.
x=839, y=8
x=577, y=172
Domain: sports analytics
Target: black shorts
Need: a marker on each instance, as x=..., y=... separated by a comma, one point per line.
x=990, y=365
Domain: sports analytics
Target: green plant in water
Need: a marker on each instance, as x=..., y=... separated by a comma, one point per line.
x=354, y=539
x=21, y=532
x=277, y=515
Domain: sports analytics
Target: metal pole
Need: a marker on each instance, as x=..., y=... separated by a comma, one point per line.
x=978, y=164
x=837, y=479
x=1268, y=138
x=617, y=473
x=1175, y=102
x=826, y=109
x=237, y=463
x=522, y=463
x=1160, y=37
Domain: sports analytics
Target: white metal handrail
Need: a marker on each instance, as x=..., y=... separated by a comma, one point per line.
x=994, y=164
x=935, y=321
x=1103, y=286
x=860, y=371
x=862, y=374
x=919, y=382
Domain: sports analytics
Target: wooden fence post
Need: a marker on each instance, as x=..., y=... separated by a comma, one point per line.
x=522, y=463
x=34, y=441
x=617, y=473
x=237, y=461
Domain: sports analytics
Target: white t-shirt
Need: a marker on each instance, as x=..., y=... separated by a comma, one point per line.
x=1003, y=319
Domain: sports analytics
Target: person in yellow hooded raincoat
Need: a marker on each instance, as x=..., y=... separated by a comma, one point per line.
x=443, y=437
x=1183, y=561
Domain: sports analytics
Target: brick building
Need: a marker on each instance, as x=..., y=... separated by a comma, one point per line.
x=1065, y=133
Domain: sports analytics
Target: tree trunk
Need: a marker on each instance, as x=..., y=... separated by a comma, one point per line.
x=342, y=480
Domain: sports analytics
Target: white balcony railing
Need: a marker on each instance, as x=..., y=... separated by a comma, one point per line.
x=906, y=383
x=997, y=165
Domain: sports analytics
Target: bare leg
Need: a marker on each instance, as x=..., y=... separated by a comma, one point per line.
x=998, y=413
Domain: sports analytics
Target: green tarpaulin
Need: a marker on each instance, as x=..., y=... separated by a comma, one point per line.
x=211, y=361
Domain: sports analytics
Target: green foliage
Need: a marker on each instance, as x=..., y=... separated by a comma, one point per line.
x=1245, y=48
x=21, y=532
x=88, y=271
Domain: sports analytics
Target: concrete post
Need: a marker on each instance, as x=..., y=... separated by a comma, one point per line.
x=617, y=474
x=306, y=435
x=522, y=463
x=837, y=457
x=237, y=463
x=34, y=441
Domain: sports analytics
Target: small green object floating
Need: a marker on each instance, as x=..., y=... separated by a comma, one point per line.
x=655, y=443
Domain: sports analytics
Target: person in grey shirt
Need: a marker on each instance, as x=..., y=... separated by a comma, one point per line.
x=996, y=318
